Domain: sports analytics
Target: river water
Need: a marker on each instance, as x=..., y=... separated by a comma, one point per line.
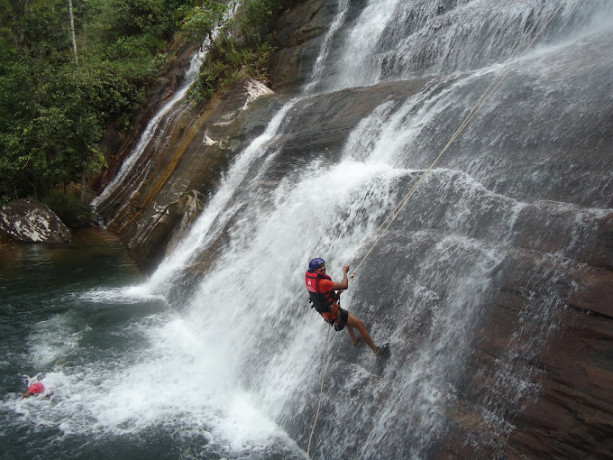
x=74, y=318
x=216, y=354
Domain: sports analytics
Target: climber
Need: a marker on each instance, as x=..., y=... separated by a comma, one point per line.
x=34, y=389
x=325, y=299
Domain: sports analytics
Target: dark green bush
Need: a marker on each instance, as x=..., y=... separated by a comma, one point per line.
x=54, y=111
x=69, y=209
x=244, y=46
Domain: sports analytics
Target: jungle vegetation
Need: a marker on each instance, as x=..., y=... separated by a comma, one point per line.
x=71, y=69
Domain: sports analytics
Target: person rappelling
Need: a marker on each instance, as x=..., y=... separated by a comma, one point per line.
x=325, y=297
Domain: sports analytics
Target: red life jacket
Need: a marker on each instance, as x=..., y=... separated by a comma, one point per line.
x=325, y=304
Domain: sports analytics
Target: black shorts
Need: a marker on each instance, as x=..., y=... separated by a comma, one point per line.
x=342, y=321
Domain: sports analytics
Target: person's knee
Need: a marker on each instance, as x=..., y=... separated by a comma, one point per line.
x=358, y=323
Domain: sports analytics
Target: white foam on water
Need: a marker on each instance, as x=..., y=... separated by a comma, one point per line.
x=246, y=342
x=53, y=339
x=121, y=295
x=176, y=379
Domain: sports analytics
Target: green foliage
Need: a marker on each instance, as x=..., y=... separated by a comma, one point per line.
x=257, y=20
x=69, y=208
x=53, y=112
x=49, y=134
x=244, y=45
x=203, y=18
x=44, y=33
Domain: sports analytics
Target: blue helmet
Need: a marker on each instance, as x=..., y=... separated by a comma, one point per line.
x=316, y=263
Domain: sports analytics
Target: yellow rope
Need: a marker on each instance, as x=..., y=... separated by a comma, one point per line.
x=382, y=229
x=321, y=390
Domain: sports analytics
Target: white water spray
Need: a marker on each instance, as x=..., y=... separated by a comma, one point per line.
x=240, y=359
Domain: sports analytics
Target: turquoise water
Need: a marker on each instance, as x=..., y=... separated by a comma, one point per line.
x=75, y=318
x=48, y=327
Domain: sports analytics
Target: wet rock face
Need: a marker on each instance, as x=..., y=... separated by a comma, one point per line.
x=300, y=34
x=567, y=408
x=174, y=177
x=33, y=222
x=116, y=145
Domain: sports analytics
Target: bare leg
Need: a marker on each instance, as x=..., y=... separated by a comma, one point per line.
x=352, y=322
x=354, y=340
x=352, y=335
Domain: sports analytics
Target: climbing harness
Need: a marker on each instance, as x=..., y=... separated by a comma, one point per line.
x=391, y=217
x=327, y=304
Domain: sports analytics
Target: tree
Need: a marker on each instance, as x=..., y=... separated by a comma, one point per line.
x=204, y=17
x=72, y=33
x=52, y=111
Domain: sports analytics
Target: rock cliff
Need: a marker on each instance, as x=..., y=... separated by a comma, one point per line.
x=567, y=411
x=183, y=169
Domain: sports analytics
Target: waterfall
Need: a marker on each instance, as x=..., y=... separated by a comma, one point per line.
x=395, y=39
x=151, y=136
x=318, y=67
x=482, y=257
x=133, y=170
x=218, y=213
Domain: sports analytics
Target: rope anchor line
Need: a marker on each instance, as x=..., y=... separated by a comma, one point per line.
x=321, y=390
x=489, y=91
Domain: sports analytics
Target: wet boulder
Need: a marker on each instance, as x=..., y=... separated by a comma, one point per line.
x=33, y=222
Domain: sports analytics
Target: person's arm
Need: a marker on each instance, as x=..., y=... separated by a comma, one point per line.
x=342, y=285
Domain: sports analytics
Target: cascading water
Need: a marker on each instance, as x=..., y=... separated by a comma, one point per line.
x=134, y=169
x=154, y=133
x=232, y=363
